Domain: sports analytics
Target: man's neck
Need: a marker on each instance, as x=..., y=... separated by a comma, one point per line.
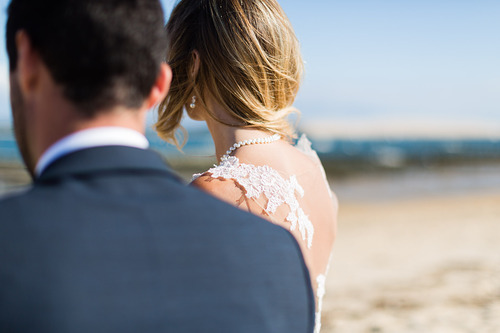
x=74, y=122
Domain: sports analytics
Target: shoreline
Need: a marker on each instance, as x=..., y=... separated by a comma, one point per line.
x=358, y=185
x=13, y=178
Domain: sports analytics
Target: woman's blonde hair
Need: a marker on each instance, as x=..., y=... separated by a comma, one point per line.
x=250, y=63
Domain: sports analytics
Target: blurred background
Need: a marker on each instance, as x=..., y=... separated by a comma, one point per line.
x=401, y=99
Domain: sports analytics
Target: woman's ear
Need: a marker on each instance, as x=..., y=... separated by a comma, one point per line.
x=195, y=67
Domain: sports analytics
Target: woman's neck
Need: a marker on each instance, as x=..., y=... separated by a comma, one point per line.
x=225, y=136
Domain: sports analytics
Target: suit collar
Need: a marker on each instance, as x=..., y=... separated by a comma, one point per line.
x=91, y=138
x=106, y=159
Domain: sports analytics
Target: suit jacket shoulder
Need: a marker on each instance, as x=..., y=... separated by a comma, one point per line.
x=108, y=239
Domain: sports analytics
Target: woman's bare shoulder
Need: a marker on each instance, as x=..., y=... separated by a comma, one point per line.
x=226, y=189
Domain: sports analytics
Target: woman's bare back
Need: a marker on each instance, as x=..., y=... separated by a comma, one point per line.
x=287, y=185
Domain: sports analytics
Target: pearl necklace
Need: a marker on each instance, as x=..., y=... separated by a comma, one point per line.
x=239, y=144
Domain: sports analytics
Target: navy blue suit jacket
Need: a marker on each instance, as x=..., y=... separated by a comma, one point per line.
x=109, y=240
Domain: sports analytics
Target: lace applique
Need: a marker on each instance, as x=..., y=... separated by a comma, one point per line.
x=304, y=145
x=320, y=292
x=258, y=180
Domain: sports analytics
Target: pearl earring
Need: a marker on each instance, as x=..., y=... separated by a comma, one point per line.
x=193, y=102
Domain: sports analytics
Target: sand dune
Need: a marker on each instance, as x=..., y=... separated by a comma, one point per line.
x=390, y=127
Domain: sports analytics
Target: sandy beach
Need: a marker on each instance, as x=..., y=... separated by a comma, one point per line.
x=417, y=251
x=423, y=262
x=13, y=178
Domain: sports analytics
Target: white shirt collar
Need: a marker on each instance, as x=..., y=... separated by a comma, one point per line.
x=89, y=138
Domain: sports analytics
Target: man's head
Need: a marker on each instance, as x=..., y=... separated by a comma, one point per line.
x=100, y=54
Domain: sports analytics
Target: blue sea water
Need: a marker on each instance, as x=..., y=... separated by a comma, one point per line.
x=342, y=157
x=8, y=149
x=396, y=152
x=384, y=152
x=199, y=144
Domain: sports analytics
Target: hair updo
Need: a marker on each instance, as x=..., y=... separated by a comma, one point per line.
x=250, y=63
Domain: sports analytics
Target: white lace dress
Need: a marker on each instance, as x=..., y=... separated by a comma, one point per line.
x=258, y=181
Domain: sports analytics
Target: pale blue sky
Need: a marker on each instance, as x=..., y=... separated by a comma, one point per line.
x=430, y=60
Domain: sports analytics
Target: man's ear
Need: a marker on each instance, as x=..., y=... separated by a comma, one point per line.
x=28, y=63
x=161, y=86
